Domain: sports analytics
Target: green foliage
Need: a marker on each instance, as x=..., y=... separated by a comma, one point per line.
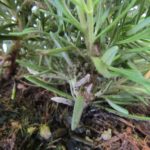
x=117, y=107
x=56, y=37
x=43, y=84
x=77, y=111
x=102, y=64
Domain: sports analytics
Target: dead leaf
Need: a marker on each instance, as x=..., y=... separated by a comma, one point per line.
x=31, y=130
x=147, y=75
x=62, y=100
x=45, y=132
x=83, y=81
x=15, y=125
x=107, y=134
x=21, y=86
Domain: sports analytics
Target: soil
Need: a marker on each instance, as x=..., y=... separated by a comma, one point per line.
x=32, y=106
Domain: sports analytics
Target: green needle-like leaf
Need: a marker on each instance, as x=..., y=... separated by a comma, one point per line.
x=117, y=107
x=44, y=84
x=77, y=112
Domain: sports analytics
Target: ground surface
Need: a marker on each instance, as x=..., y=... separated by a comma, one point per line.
x=32, y=107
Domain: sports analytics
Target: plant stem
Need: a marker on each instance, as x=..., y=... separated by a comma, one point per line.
x=90, y=27
x=82, y=19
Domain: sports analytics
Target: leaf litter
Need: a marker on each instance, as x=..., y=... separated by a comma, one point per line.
x=46, y=124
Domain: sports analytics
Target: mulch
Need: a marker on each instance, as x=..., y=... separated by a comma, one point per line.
x=98, y=129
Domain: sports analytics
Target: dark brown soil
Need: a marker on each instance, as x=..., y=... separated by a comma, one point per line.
x=32, y=107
